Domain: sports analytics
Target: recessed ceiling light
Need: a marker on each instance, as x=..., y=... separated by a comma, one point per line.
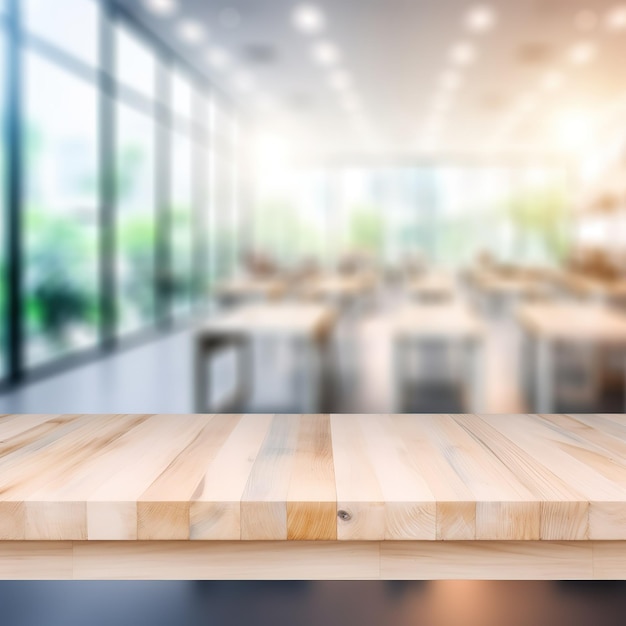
x=463, y=53
x=586, y=20
x=480, y=18
x=326, y=53
x=308, y=19
x=340, y=80
x=582, y=53
x=552, y=81
x=161, y=7
x=616, y=18
x=450, y=80
x=191, y=31
x=218, y=58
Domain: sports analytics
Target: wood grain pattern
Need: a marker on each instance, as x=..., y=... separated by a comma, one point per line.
x=430, y=478
x=298, y=560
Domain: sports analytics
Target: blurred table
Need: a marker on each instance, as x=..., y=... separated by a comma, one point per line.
x=307, y=326
x=612, y=291
x=246, y=288
x=432, y=287
x=548, y=325
x=342, y=290
x=497, y=288
x=456, y=324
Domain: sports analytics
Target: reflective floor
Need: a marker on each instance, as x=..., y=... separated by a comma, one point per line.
x=442, y=603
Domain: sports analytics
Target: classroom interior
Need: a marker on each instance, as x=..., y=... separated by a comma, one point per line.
x=354, y=207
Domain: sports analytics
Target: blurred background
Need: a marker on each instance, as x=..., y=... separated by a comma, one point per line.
x=362, y=206
x=201, y=603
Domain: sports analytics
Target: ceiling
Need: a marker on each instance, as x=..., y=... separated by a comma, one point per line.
x=544, y=74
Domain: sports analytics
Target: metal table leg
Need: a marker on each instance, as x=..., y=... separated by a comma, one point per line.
x=544, y=373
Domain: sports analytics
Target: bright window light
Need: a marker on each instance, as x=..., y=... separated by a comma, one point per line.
x=573, y=129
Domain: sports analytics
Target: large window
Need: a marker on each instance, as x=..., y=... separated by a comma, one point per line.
x=108, y=197
x=135, y=219
x=135, y=63
x=222, y=180
x=70, y=25
x=3, y=234
x=181, y=221
x=60, y=288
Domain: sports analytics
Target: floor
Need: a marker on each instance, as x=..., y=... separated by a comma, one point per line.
x=439, y=603
x=156, y=377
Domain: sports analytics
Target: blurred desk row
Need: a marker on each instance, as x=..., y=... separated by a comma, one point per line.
x=439, y=332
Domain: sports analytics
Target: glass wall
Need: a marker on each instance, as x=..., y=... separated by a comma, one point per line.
x=447, y=213
x=3, y=207
x=136, y=219
x=107, y=207
x=60, y=286
x=222, y=176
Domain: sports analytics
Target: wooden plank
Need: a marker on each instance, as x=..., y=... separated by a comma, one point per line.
x=609, y=560
x=505, y=508
x=455, y=503
x=163, y=508
x=312, y=495
x=33, y=438
x=486, y=560
x=36, y=560
x=564, y=511
x=13, y=425
x=359, y=494
x=264, y=502
x=226, y=560
x=215, y=509
x=59, y=451
x=112, y=506
x=588, y=432
x=410, y=507
x=575, y=465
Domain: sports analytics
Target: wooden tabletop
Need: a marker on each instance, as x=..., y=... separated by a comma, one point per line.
x=285, y=319
x=574, y=321
x=432, y=284
x=442, y=321
x=247, y=286
x=514, y=285
x=336, y=286
x=312, y=477
x=589, y=286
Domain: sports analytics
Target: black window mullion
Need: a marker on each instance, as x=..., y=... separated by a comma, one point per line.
x=15, y=192
x=163, y=248
x=107, y=177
